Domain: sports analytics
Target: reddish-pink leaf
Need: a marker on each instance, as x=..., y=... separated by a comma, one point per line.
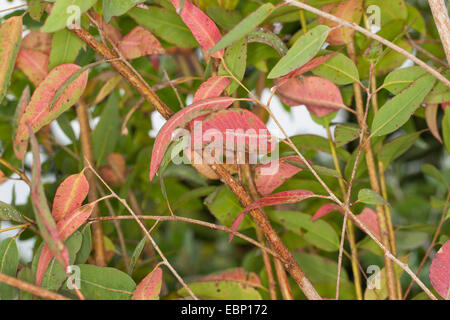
x=37, y=40
x=431, y=119
x=150, y=286
x=180, y=119
x=310, y=65
x=445, y=105
x=202, y=27
x=369, y=218
x=213, y=87
x=319, y=95
x=285, y=197
x=237, y=275
x=326, y=209
x=440, y=271
x=34, y=64
x=69, y=195
x=271, y=175
x=138, y=43
x=110, y=31
x=37, y=112
x=44, y=260
x=75, y=219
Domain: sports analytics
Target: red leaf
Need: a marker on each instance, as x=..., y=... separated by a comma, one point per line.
x=138, y=43
x=34, y=64
x=213, y=87
x=319, y=95
x=70, y=195
x=310, y=65
x=326, y=209
x=37, y=112
x=237, y=275
x=271, y=175
x=285, y=197
x=150, y=286
x=37, y=40
x=202, y=27
x=179, y=119
x=440, y=271
x=44, y=260
x=445, y=105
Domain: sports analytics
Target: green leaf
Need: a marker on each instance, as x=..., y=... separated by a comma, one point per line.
x=318, y=233
x=371, y=197
x=27, y=276
x=345, y=133
x=225, y=206
x=235, y=58
x=86, y=244
x=224, y=18
x=303, y=50
x=9, y=261
x=65, y=48
x=36, y=9
x=395, y=148
x=313, y=266
x=400, y=108
x=265, y=36
x=164, y=24
x=316, y=143
x=103, y=283
x=319, y=169
x=136, y=253
x=434, y=173
x=64, y=12
x=390, y=10
x=114, y=8
x=247, y=25
x=340, y=69
x=222, y=290
x=107, y=131
x=9, y=213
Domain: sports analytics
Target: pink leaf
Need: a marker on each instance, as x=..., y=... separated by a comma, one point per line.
x=37, y=40
x=37, y=112
x=213, y=87
x=319, y=95
x=34, y=64
x=445, y=105
x=326, y=209
x=202, y=27
x=44, y=260
x=138, y=43
x=179, y=119
x=70, y=195
x=285, y=197
x=271, y=175
x=150, y=286
x=310, y=65
x=369, y=218
x=440, y=271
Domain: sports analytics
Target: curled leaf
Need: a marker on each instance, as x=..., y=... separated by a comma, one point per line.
x=150, y=287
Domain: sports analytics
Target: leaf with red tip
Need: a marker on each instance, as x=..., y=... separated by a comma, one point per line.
x=431, y=119
x=179, y=119
x=440, y=271
x=37, y=112
x=44, y=219
x=310, y=65
x=10, y=38
x=271, y=175
x=69, y=195
x=326, y=209
x=34, y=64
x=202, y=27
x=236, y=274
x=319, y=95
x=213, y=87
x=150, y=286
x=138, y=43
x=285, y=197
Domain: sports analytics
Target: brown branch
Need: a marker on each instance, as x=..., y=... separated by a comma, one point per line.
x=21, y=174
x=345, y=23
x=31, y=288
x=440, y=15
x=86, y=146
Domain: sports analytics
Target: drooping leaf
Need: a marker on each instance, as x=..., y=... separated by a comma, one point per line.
x=395, y=148
x=114, y=8
x=182, y=117
x=400, y=108
x=150, y=287
x=270, y=176
x=64, y=12
x=303, y=50
x=202, y=27
x=65, y=48
x=371, y=197
x=9, y=261
x=69, y=196
x=9, y=213
x=235, y=58
x=37, y=112
x=265, y=36
x=103, y=283
x=440, y=271
x=431, y=119
x=165, y=24
x=34, y=64
x=319, y=95
x=247, y=25
x=10, y=38
x=213, y=87
x=138, y=43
